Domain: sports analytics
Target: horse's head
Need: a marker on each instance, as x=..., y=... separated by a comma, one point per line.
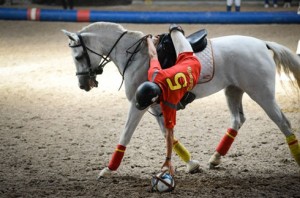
x=98, y=44
x=86, y=61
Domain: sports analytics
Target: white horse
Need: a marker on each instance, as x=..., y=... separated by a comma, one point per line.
x=242, y=65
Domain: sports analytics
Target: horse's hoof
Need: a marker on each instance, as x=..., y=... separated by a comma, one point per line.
x=192, y=166
x=106, y=172
x=215, y=160
x=213, y=166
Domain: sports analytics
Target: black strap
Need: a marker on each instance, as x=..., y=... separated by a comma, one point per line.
x=105, y=59
x=85, y=53
x=136, y=50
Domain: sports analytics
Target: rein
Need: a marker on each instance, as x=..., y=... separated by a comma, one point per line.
x=136, y=50
x=104, y=61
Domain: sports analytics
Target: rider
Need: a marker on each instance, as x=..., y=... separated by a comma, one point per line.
x=168, y=86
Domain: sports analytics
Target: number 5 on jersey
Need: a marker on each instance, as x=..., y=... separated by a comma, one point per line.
x=177, y=84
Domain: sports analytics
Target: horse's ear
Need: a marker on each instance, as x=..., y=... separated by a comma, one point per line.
x=72, y=36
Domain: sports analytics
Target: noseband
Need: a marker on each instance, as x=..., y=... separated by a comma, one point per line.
x=104, y=61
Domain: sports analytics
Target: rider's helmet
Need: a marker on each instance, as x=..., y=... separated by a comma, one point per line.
x=146, y=94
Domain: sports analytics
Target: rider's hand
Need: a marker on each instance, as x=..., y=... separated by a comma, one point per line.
x=167, y=166
x=151, y=49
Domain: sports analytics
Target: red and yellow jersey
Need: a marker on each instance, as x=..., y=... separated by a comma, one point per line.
x=174, y=83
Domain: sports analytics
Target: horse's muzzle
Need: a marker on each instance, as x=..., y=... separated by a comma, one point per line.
x=86, y=88
x=87, y=83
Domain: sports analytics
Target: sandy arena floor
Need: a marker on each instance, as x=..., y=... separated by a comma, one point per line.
x=54, y=137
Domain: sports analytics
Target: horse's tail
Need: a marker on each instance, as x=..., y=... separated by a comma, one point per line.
x=285, y=59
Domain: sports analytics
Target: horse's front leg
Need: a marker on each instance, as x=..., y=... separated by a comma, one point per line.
x=192, y=166
x=133, y=119
x=234, y=97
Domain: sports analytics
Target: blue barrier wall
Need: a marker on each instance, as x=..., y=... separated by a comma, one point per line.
x=150, y=17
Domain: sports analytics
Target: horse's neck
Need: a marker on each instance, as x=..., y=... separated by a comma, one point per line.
x=136, y=64
x=133, y=65
x=128, y=51
x=104, y=42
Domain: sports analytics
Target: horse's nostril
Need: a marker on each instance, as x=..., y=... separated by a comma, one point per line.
x=86, y=88
x=81, y=86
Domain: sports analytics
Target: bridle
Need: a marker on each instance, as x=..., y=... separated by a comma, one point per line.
x=105, y=59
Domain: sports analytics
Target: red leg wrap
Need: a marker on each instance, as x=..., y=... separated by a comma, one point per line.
x=226, y=142
x=117, y=157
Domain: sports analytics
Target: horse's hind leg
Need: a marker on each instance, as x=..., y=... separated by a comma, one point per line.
x=268, y=103
x=191, y=165
x=234, y=100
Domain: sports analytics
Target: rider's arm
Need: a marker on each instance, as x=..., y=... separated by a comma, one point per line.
x=151, y=49
x=170, y=121
x=169, y=144
x=154, y=63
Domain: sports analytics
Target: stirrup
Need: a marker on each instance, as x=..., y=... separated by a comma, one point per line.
x=175, y=27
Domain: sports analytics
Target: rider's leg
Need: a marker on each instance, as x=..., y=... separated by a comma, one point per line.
x=237, y=5
x=181, y=44
x=234, y=101
x=228, y=5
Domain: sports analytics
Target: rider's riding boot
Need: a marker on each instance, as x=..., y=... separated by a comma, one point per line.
x=175, y=27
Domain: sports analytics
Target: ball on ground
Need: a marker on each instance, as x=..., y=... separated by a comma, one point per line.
x=162, y=182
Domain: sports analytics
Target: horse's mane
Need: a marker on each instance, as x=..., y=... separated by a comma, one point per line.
x=103, y=25
x=109, y=27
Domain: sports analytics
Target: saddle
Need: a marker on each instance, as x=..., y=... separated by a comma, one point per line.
x=167, y=56
x=166, y=50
